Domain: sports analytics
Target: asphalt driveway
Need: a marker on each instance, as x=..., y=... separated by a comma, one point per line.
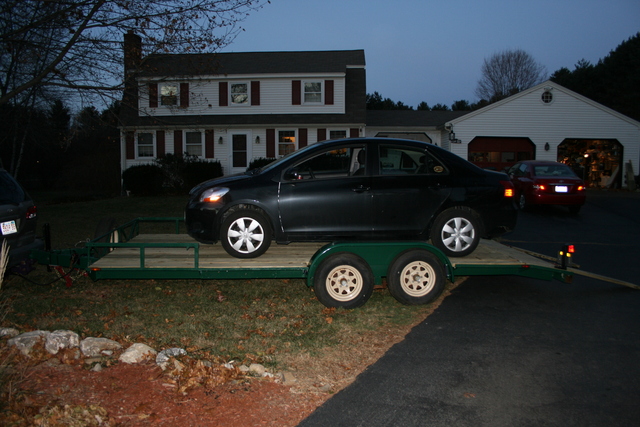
x=508, y=351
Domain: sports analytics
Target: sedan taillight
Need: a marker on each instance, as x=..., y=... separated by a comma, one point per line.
x=31, y=212
x=509, y=190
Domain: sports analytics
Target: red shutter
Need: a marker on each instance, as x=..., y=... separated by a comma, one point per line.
x=223, y=95
x=160, y=143
x=302, y=138
x=322, y=134
x=328, y=92
x=153, y=95
x=271, y=143
x=130, y=145
x=208, y=144
x=296, y=96
x=177, y=143
x=354, y=133
x=255, y=93
x=184, y=95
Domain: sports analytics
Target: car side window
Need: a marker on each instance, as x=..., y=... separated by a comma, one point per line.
x=408, y=161
x=334, y=163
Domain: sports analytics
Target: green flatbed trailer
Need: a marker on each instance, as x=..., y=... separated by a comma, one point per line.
x=343, y=274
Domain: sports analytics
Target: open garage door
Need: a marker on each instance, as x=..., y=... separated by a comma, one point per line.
x=597, y=161
x=415, y=136
x=500, y=153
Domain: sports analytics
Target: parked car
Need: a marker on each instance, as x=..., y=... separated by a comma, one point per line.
x=17, y=220
x=547, y=183
x=354, y=189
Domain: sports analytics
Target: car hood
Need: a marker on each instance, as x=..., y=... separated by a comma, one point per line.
x=219, y=182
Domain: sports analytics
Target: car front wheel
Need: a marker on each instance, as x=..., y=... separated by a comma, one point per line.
x=456, y=232
x=245, y=234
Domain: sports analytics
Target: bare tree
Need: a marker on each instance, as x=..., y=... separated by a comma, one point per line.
x=507, y=73
x=77, y=44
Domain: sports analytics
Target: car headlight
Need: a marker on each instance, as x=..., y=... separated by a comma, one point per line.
x=213, y=195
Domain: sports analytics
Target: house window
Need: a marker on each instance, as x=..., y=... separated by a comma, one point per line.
x=286, y=142
x=194, y=144
x=239, y=93
x=145, y=145
x=337, y=134
x=169, y=94
x=312, y=92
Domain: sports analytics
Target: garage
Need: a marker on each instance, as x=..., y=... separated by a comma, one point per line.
x=551, y=122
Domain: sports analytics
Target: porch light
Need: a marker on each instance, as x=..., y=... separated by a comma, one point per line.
x=258, y=139
x=220, y=140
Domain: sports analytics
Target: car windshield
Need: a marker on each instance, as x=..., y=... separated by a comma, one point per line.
x=10, y=191
x=553, y=170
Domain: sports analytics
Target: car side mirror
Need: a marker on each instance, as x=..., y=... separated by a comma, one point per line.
x=292, y=175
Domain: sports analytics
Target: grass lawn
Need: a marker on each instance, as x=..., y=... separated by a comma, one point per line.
x=257, y=320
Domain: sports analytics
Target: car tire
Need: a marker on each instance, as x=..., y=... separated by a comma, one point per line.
x=343, y=280
x=245, y=234
x=456, y=232
x=105, y=232
x=522, y=203
x=416, y=277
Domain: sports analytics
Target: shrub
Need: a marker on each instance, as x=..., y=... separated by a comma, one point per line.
x=143, y=180
x=200, y=171
x=260, y=162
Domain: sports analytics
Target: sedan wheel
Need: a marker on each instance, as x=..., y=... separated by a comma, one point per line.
x=456, y=232
x=246, y=234
x=523, y=205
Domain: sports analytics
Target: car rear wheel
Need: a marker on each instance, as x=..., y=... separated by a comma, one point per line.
x=343, y=280
x=522, y=203
x=245, y=234
x=456, y=232
x=416, y=277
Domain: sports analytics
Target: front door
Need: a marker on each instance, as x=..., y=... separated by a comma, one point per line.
x=240, y=152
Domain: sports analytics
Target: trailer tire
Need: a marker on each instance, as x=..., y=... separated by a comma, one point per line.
x=245, y=234
x=456, y=232
x=106, y=232
x=343, y=280
x=416, y=277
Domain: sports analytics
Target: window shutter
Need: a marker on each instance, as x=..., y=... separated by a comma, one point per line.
x=177, y=143
x=271, y=143
x=130, y=145
x=160, y=143
x=302, y=138
x=184, y=95
x=208, y=144
x=296, y=96
x=223, y=89
x=153, y=95
x=328, y=92
x=354, y=133
x=255, y=93
x=322, y=134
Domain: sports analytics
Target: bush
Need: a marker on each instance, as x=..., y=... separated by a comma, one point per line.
x=260, y=162
x=143, y=180
x=200, y=171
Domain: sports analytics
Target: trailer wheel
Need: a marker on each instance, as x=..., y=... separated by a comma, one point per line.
x=416, y=277
x=456, y=232
x=106, y=232
x=245, y=234
x=343, y=280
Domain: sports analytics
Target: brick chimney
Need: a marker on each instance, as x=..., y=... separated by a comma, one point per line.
x=132, y=52
x=132, y=59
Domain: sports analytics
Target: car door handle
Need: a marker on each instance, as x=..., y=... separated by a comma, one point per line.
x=361, y=189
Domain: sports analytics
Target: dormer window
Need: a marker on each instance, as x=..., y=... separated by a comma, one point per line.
x=169, y=94
x=239, y=94
x=313, y=92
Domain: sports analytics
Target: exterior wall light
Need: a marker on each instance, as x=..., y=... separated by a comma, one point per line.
x=546, y=146
x=220, y=140
x=258, y=139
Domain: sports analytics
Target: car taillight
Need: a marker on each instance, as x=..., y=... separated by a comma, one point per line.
x=580, y=187
x=540, y=187
x=31, y=212
x=509, y=190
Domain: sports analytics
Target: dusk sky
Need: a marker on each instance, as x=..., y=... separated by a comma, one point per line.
x=427, y=50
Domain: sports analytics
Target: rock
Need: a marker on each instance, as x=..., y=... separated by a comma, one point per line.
x=8, y=332
x=288, y=378
x=97, y=367
x=163, y=357
x=244, y=369
x=137, y=353
x=257, y=369
x=95, y=347
x=25, y=342
x=58, y=340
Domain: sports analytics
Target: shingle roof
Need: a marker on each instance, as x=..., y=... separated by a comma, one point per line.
x=411, y=118
x=251, y=63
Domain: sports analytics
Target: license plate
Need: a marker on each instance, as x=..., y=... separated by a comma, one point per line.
x=9, y=227
x=562, y=189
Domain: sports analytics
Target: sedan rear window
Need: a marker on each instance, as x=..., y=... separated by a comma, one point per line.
x=10, y=191
x=553, y=170
x=396, y=160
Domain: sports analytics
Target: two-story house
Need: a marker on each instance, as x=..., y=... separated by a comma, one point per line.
x=235, y=107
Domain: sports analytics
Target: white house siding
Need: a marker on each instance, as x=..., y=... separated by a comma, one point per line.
x=568, y=116
x=434, y=135
x=275, y=97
